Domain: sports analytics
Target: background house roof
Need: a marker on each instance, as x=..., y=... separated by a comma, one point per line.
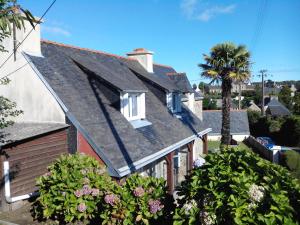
x=111, y=135
x=276, y=108
x=239, y=123
x=22, y=131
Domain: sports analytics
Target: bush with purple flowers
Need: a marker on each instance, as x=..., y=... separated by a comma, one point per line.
x=139, y=200
x=73, y=189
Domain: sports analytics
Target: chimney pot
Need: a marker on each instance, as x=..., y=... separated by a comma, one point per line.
x=144, y=57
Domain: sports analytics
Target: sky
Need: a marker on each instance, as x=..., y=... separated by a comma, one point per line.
x=179, y=32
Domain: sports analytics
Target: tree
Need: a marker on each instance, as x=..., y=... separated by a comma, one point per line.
x=285, y=96
x=296, y=107
x=203, y=87
x=226, y=63
x=209, y=103
x=11, y=15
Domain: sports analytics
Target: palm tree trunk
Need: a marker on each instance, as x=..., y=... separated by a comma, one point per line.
x=226, y=97
x=240, y=93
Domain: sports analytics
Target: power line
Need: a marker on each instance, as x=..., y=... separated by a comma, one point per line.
x=47, y=10
x=262, y=12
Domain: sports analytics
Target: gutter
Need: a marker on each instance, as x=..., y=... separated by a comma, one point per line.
x=148, y=159
x=8, y=197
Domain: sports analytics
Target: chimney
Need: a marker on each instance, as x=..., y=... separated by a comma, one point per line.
x=144, y=57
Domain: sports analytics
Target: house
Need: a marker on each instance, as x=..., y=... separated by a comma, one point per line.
x=236, y=87
x=275, y=108
x=253, y=107
x=124, y=111
x=239, y=124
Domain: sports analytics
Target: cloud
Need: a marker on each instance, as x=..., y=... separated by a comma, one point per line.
x=188, y=7
x=212, y=12
x=203, y=10
x=55, y=30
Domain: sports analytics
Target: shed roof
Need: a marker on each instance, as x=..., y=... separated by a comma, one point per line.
x=239, y=123
x=21, y=131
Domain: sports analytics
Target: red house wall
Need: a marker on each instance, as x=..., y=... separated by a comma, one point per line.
x=84, y=147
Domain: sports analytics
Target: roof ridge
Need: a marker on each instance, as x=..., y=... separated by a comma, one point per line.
x=86, y=49
x=220, y=110
x=157, y=64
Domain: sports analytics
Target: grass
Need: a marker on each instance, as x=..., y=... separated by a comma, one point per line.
x=214, y=146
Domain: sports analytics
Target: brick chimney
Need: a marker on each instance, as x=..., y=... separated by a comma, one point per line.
x=144, y=57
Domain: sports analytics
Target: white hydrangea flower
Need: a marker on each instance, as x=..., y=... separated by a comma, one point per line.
x=199, y=162
x=256, y=193
x=252, y=205
x=207, y=218
x=189, y=205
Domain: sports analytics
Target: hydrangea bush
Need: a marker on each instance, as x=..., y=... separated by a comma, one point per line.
x=138, y=200
x=77, y=188
x=72, y=189
x=236, y=186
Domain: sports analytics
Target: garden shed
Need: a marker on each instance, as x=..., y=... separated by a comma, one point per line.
x=26, y=151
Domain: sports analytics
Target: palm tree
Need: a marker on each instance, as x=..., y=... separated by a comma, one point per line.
x=226, y=63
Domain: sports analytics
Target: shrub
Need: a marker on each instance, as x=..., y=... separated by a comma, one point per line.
x=72, y=189
x=139, y=200
x=238, y=187
x=77, y=188
x=292, y=161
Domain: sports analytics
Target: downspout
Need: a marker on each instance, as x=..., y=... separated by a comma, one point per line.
x=8, y=198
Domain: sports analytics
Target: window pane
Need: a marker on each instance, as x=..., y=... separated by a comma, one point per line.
x=174, y=100
x=134, y=110
x=129, y=105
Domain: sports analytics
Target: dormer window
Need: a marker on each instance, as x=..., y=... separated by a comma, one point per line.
x=133, y=105
x=174, y=102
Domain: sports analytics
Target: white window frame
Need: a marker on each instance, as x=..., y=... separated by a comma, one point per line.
x=174, y=102
x=126, y=103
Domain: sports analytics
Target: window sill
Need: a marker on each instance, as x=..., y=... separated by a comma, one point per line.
x=140, y=123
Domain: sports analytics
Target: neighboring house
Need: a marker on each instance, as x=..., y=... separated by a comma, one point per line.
x=253, y=107
x=124, y=111
x=239, y=124
x=236, y=86
x=276, y=108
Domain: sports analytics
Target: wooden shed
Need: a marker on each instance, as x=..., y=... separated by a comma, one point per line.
x=28, y=148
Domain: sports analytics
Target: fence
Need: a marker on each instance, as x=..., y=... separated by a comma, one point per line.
x=263, y=151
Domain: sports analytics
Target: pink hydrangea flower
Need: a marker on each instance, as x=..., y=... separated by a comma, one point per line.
x=95, y=192
x=111, y=199
x=48, y=174
x=155, y=206
x=138, y=192
x=86, y=190
x=78, y=193
x=81, y=207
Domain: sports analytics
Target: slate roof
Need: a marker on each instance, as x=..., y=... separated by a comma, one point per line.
x=108, y=131
x=275, y=108
x=156, y=77
x=181, y=81
x=21, y=131
x=239, y=123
